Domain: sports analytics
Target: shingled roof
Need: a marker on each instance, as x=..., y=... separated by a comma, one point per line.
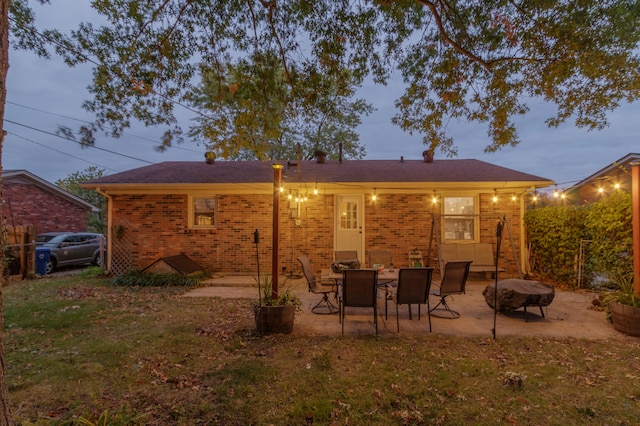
x=348, y=171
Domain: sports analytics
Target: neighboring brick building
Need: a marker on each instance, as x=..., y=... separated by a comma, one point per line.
x=614, y=177
x=30, y=200
x=210, y=211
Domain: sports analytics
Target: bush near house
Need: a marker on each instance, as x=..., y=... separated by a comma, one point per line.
x=555, y=233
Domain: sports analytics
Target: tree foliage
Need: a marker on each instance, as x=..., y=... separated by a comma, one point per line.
x=96, y=221
x=477, y=60
x=255, y=112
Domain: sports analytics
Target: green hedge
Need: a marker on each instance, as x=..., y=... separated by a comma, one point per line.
x=554, y=235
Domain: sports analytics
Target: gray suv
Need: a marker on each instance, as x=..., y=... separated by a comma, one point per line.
x=72, y=248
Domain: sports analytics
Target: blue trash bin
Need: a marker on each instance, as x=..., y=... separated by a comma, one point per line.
x=42, y=257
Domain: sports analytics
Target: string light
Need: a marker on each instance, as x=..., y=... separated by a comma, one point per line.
x=495, y=196
x=434, y=200
x=514, y=198
x=374, y=197
x=315, y=190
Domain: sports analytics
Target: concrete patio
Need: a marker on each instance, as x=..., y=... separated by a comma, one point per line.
x=569, y=315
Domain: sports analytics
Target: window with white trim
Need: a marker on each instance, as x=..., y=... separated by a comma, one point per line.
x=203, y=212
x=460, y=220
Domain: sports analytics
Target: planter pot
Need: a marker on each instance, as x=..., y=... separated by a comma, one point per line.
x=625, y=318
x=274, y=319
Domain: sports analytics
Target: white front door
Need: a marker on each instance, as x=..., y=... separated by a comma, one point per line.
x=349, y=226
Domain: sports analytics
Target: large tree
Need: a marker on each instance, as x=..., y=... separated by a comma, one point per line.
x=5, y=416
x=256, y=110
x=96, y=221
x=473, y=60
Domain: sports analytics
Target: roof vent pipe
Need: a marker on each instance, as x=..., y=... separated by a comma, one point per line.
x=402, y=158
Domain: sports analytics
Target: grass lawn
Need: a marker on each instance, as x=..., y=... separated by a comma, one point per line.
x=81, y=351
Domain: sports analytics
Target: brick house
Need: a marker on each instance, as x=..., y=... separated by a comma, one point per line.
x=210, y=211
x=613, y=177
x=30, y=200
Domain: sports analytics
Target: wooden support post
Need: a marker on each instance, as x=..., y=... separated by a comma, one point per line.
x=277, y=182
x=635, y=196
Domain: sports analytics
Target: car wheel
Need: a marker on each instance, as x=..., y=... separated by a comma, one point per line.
x=51, y=265
x=96, y=260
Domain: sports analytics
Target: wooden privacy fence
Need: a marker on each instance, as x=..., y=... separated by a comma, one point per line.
x=20, y=250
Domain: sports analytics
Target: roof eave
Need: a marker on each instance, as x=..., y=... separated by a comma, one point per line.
x=331, y=188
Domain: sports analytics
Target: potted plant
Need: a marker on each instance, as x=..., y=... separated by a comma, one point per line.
x=274, y=313
x=623, y=305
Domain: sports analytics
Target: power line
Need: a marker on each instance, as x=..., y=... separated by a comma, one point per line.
x=60, y=152
x=88, y=122
x=71, y=140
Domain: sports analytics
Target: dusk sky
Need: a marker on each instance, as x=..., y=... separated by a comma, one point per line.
x=43, y=94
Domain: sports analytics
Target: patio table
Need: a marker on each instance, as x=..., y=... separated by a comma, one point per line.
x=386, y=275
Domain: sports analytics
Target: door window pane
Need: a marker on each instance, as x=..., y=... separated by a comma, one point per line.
x=349, y=215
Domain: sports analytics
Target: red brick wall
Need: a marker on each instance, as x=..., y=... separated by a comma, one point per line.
x=157, y=225
x=26, y=204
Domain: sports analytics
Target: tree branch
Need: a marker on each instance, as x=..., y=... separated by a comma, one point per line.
x=445, y=36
